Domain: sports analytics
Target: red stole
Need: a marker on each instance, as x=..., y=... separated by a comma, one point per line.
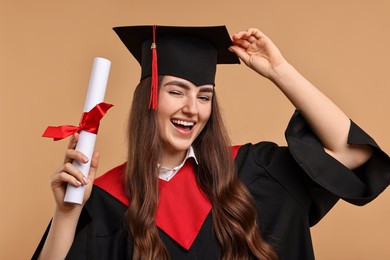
x=182, y=207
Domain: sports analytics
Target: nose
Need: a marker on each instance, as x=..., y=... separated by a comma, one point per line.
x=190, y=105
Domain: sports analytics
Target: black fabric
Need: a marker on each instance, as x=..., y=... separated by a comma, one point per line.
x=293, y=189
x=191, y=53
x=199, y=65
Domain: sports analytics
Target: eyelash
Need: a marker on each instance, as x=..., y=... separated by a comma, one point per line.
x=178, y=93
x=175, y=92
x=204, y=98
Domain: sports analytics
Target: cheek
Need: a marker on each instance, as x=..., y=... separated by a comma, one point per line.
x=205, y=114
x=163, y=109
x=161, y=118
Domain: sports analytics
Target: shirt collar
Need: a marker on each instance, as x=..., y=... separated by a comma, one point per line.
x=167, y=173
x=190, y=153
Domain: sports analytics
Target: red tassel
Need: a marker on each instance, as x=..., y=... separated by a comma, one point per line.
x=154, y=86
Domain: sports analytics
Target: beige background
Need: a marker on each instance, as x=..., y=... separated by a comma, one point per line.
x=46, y=53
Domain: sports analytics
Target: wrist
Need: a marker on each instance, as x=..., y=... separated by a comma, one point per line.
x=282, y=73
x=68, y=213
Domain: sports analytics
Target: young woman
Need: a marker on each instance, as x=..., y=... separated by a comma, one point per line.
x=184, y=192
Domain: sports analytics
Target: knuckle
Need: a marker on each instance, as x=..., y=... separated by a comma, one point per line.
x=63, y=175
x=67, y=166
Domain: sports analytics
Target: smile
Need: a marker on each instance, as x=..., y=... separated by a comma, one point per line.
x=183, y=124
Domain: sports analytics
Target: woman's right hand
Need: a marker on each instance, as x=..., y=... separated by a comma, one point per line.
x=67, y=173
x=66, y=215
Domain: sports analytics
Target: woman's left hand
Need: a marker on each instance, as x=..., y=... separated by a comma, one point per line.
x=257, y=51
x=327, y=121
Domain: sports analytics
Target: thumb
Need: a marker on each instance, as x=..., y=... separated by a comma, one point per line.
x=91, y=176
x=94, y=166
x=241, y=53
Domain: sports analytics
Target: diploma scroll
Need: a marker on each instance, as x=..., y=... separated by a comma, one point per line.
x=86, y=143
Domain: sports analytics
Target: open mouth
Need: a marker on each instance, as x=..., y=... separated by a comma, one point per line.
x=184, y=125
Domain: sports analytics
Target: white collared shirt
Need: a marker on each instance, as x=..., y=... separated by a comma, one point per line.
x=167, y=174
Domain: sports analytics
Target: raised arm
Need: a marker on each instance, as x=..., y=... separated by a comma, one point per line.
x=329, y=123
x=66, y=215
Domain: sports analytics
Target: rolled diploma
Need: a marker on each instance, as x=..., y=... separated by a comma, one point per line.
x=86, y=143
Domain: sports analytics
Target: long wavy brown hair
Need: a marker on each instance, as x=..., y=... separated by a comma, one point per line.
x=233, y=213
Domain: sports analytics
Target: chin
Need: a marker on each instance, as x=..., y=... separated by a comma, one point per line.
x=181, y=148
x=178, y=147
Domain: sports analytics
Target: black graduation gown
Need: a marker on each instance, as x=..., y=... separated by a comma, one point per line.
x=293, y=188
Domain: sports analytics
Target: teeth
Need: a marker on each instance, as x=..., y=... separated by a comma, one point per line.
x=184, y=123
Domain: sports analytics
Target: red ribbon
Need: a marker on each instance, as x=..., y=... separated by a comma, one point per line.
x=89, y=122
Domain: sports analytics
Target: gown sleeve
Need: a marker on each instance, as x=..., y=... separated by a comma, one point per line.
x=329, y=178
x=100, y=233
x=79, y=247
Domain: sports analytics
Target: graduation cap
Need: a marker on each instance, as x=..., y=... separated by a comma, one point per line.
x=191, y=53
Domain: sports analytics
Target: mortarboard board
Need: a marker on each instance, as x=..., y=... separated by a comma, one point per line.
x=191, y=53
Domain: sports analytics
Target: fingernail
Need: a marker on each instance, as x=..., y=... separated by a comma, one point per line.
x=78, y=183
x=84, y=159
x=85, y=180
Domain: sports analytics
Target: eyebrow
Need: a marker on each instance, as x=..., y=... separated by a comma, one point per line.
x=186, y=87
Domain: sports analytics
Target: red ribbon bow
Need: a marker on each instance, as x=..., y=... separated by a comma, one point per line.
x=89, y=122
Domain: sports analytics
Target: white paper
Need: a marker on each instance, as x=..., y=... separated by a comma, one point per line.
x=95, y=95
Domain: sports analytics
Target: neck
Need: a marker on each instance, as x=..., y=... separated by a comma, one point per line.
x=171, y=159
